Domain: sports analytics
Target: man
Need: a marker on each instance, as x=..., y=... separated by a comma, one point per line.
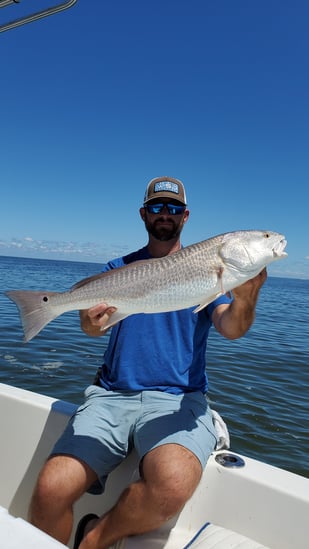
x=149, y=393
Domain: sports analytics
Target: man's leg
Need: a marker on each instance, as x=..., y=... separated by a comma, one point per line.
x=87, y=444
x=62, y=481
x=170, y=475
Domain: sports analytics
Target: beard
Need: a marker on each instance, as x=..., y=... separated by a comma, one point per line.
x=164, y=233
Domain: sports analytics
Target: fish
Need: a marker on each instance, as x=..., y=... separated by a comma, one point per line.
x=194, y=276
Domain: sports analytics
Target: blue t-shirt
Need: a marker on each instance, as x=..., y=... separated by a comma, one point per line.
x=162, y=351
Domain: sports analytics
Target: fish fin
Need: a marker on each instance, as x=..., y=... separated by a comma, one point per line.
x=114, y=319
x=205, y=303
x=100, y=276
x=220, y=277
x=34, y=309
x=86, y=281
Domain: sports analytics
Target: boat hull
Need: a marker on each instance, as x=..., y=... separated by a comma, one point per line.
x=256, y=500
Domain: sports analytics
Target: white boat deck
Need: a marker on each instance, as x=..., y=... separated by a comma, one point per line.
x=16, y=533
x=263, y=503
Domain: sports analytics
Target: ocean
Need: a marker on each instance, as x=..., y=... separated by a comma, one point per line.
x=259, y=383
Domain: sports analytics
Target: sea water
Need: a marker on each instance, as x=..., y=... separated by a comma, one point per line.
x=258, y=383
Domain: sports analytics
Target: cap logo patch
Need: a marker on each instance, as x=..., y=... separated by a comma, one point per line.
x=166, y=186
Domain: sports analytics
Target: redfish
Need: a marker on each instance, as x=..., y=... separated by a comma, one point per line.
x=192, y=277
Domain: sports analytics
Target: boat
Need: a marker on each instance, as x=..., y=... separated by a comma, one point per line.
x=240, y=502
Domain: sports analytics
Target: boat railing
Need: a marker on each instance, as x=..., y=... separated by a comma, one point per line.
x=32, y=16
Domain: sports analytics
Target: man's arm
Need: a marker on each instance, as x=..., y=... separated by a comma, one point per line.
x=235, y=319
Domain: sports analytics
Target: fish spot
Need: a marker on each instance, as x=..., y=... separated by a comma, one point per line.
x=45, y=298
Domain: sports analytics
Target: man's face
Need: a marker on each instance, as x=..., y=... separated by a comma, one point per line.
x=162, y=222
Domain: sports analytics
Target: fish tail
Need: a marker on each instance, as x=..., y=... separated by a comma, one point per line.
x=35, y=310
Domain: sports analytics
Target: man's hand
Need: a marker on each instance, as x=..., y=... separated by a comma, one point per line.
x=94, y=320
x=250, y=289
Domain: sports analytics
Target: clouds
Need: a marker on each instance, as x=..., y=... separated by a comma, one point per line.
x=290, y=268
x=55, y=249
x=95, y=252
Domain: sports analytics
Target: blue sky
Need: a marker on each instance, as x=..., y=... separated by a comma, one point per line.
x=101, y=98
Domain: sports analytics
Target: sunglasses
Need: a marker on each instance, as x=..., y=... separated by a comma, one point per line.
x=173, y=209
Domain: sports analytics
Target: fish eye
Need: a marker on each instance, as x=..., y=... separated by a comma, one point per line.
x=45, y=298
x=267, y=235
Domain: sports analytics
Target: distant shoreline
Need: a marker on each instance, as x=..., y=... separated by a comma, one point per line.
x=102, y=263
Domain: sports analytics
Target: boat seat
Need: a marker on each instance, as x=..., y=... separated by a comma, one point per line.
x=211, y=536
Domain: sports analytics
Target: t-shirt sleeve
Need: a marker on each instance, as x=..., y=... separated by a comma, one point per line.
x=125, y=260
x=113, y=264
x=219, y=301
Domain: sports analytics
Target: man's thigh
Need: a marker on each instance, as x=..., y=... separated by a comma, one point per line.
x=184, y=419
x=100, y=433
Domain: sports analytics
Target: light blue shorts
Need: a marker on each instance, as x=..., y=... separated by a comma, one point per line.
x=109, y=424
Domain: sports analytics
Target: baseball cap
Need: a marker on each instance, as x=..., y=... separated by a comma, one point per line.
x=165, y=187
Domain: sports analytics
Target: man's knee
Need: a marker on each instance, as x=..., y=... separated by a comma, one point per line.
x=62, y=481
x=46, y=493
x=56, y=490
x=172, y=474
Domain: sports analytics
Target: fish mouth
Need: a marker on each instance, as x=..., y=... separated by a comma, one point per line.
x=278, y=249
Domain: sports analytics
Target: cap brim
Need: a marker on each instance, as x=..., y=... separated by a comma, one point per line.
x=163, y=195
